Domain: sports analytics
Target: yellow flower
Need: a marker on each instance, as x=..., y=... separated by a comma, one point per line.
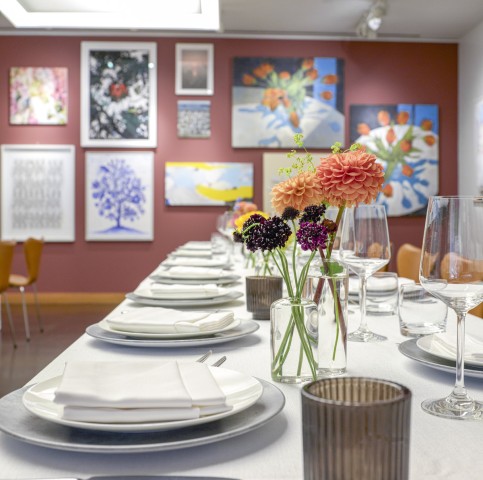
x=243, y=218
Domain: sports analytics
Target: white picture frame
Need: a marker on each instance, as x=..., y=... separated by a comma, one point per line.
x=108, y=219
x=38, y=192
x=118, y=108
x=194, y=69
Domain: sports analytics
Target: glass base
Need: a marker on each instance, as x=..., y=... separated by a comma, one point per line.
x=292, y=379
x=365, y=336
x=449, y=408
x=331, y=372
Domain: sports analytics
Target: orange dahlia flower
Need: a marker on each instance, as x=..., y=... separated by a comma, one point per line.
x=350, y=178
x=297, y=192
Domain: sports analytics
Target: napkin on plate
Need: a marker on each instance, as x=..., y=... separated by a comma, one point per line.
x=196, y=262
x=197, y=245
x=445, y=343
x=140, y=391
x=166, y=320
x=180, y=291
x=192, y=273
x=182, y=252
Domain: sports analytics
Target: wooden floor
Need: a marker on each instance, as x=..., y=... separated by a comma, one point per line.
x=62, y=325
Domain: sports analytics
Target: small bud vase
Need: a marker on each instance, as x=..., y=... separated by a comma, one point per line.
x=261, y=293
x=293, y=339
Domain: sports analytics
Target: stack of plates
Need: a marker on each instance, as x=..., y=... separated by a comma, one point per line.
x=193, y=275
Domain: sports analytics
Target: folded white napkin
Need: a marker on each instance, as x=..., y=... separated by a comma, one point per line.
x=166, y=320
x=192, y=273
x=181, y=291
x=445, y=344
x=140, y=391
x=182, y=252
x=197, y=245
x=196, y=262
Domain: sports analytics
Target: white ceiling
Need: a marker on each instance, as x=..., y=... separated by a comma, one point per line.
x=411, y=20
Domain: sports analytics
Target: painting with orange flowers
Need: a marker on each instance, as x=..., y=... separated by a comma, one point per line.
x=274, y=98
x=405, y=139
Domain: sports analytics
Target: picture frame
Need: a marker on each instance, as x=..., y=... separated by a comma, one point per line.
x=38, y=192
x=111, y=217
x=118, y=94
x=194, y=69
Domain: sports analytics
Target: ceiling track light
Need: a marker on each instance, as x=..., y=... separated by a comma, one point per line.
x=371, y=20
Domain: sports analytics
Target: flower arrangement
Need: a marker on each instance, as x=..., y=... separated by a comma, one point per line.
x=343, y=179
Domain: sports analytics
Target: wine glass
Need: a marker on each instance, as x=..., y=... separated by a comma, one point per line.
x=452, y=270
x=226, y=226
x=364, y=248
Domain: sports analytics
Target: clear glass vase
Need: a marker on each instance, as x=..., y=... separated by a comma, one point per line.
x=294, y=334
x=330, y=292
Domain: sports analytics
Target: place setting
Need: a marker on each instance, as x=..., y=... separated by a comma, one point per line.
x=222, y=261
x=170, y=328
x=193, y=275
x=134, y=406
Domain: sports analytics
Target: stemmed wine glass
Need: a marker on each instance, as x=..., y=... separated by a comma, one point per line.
x=364, y=248
x=452, y=270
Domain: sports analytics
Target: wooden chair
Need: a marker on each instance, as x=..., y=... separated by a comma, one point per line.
x=407, y=261
x=453, y=263
x=33, y=253
x=6, y=256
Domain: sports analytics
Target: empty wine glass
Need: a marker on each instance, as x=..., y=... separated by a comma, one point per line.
x=452, y=270
x=364, y=248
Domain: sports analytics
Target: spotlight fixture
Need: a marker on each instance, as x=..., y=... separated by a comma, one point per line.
x=371, y=20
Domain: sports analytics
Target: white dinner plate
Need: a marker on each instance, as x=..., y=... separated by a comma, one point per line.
x=245, y=328
x=425, y=343
x=182, y=303
x=147, y=293
x=241, y=392
x=104, y=324
x=410, y=349
x=221, y=262
x=169, y=280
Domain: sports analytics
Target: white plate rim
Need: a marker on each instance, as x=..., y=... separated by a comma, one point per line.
x=420, y=343
x=51, y=411
x=140, y=292
x=104, y=324
x=232, y=295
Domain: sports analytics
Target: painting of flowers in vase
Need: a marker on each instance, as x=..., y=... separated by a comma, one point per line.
x=405, y=139
x=274, y=98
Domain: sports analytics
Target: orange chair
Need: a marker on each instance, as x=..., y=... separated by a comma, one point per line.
x=6, y=256
x=33, y=253
x=407, y=261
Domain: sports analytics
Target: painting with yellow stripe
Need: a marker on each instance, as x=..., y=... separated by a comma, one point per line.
x=207, y=183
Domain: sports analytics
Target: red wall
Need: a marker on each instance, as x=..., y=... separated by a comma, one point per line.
x=375, y=73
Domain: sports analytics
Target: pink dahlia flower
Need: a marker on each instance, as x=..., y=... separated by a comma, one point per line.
x=297, y=192
x=350, y=178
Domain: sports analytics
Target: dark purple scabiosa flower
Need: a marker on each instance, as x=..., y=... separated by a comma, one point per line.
x=290, y=213
x=274, y=234
x=237, y=237
x=253, y=220
x=310, y=236
x=312, y=213
x=329, y=225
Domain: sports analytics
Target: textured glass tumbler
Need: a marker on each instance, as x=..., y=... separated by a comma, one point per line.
x=356, y=428
x=261, y=293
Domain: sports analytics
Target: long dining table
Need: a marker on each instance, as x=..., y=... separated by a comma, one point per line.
x=439, y=448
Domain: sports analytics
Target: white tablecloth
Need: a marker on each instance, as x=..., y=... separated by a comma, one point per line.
x=440, y=449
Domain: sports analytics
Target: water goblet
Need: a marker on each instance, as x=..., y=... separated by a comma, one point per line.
x=364, y=248
x=452, y=270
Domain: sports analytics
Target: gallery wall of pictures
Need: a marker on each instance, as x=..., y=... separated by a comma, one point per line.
x=193, y=122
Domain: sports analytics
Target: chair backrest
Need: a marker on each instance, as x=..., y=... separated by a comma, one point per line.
x=407, y=261
x=6, y=257
x=33, y=253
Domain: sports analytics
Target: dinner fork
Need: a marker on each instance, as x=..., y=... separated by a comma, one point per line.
x=205, y=356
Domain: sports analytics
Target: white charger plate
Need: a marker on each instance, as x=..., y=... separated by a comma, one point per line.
x=425, y=343
x=245, y=328
x=241, y=392
x=168, y=280
x=181, y=303
x=104, y=324
x=147, y=293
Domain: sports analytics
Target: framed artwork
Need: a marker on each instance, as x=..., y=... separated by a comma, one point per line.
x=207, y=183
x=405, y=139
x=119, y=196
x=118, y=94
x=38, y=96
x=38, y=192
x=194, y=69
x=272, y=163
x=194, y=118
x=274, y=98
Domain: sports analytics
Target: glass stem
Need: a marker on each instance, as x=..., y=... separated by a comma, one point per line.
x=362, y=303
x=459, y=388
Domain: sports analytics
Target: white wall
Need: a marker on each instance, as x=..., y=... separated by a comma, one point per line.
x=470, y=93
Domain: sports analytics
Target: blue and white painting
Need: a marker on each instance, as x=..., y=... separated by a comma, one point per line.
x=119, y=196
x=405, y=140
x=207, y=183
x=194, y=119
x=274, y=98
